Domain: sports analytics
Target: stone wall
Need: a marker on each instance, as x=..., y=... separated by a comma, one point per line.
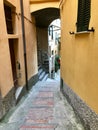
x=1, y=110
x=7, y=102
x=88, y=117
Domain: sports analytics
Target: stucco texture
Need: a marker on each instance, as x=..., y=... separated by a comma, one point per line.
x=6, y=76
x=79, y=54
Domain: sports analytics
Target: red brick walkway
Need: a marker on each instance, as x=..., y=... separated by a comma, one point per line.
x=41, y=112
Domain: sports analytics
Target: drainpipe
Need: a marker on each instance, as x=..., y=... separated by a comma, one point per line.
x=24, y=43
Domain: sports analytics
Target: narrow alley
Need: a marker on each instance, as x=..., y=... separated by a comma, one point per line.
x=44, y=108
x=37, y=39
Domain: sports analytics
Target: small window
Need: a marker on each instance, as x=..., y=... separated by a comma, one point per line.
x=8, y=16
x=51, y=31
x=83, y=18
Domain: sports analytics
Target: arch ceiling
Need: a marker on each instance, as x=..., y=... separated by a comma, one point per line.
x=45, y=16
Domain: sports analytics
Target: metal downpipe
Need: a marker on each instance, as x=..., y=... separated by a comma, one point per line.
x=24, y=43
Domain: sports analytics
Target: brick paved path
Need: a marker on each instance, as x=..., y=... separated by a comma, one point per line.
x=45, y=108
x=41, y=112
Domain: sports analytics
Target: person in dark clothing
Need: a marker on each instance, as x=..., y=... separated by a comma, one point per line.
x=57, y=63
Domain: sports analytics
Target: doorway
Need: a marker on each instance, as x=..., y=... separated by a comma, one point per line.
x=13, y=48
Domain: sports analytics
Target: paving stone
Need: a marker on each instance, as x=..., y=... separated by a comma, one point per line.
x=39, y=127
x=43, y=102
x=32, y=121
x=44, y=108
x=45, y=94
x=49, y=89
x=40, y=113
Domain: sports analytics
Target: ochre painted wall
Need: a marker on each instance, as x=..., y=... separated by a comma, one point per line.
x=42, y=38
x=79, y=54
x=6, y=82
x=39, y=6
x=6, y=78
x=31, y=42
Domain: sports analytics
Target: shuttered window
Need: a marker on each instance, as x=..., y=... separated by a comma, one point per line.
x=83, y=18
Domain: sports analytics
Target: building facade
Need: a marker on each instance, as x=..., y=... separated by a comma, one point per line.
x=24, y=32
x=12, y=51
x=79, y=58
x=79, y=51
x=53, y=46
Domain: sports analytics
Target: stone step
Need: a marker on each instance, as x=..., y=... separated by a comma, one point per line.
x=42, y=75
x=40, y=71
x=18, y=92
x=39, y=67
x=46, y=77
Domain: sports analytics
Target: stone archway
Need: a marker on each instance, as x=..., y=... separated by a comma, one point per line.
x=43, y=18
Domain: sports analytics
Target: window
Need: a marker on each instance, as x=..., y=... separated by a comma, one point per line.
x=83, y=15
x=51, y=31
x=8, y=16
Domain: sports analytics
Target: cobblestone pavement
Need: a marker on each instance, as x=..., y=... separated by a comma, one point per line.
x=44, y=108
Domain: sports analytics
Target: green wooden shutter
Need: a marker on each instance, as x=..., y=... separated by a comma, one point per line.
x=83, y=15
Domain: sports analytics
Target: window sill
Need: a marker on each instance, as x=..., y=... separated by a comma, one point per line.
x=82, y=32
x=13, y=36
x=78, y=33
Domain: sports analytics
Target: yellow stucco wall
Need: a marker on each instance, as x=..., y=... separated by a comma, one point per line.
x=39, y=6
x=30, y=31
x=6, y=78
x=6, y=81
x=42, y=38
x=79, y=54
